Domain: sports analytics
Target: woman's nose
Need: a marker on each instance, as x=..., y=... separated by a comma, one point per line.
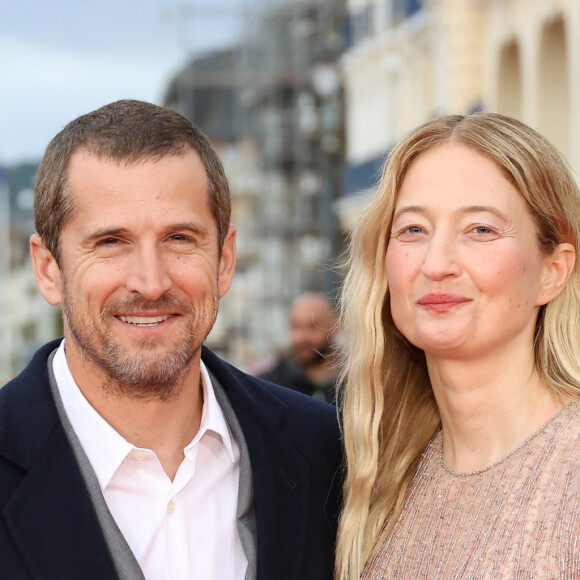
x=441, y=258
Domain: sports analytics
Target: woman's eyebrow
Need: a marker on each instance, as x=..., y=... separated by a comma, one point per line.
x=409, y=209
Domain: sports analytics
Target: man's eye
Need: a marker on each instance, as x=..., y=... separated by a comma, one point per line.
x=183, y=239
x=109, y=241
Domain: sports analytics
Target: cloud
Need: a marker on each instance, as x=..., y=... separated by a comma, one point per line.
x=45, y=87
x=62, y=58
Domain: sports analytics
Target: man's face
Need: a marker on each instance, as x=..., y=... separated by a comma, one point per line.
x=140, y=274
x=311, y=329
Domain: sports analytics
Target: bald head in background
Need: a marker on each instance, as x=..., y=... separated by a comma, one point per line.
x=308, y=366
x=312, y=328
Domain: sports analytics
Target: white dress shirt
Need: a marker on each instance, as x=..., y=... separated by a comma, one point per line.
x=180, y=529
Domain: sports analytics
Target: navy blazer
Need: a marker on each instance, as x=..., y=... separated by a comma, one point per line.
x=48, y=528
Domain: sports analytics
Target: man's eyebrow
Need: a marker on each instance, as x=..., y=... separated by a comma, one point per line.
x=111, y=232
x=195, y=228
x=106, y=233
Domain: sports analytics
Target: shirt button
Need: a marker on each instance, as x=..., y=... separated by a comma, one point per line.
x=170, y=507
x=139, y=455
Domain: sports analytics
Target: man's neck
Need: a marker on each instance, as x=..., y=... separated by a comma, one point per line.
x=164, y=426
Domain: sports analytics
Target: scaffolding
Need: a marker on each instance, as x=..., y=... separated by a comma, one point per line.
x=277, y=94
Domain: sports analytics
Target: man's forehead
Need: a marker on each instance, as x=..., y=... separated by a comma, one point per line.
x=86, y=164
x=92, y=153
x=99, y=185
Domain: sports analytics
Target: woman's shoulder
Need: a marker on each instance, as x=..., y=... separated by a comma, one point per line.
x=567, y=429
x=562, y=456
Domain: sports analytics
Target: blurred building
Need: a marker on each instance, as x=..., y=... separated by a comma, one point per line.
x=27, y=320
x=303, y=111
x=412, y=59
x=273, y=107
x=5, y=306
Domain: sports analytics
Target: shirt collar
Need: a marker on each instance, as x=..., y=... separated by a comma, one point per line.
x=212, y=415
x=105, y=448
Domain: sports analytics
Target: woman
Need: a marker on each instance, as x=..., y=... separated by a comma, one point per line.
x=461, y=319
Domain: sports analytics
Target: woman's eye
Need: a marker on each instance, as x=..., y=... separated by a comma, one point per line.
x=483, y=230
x=409, y=233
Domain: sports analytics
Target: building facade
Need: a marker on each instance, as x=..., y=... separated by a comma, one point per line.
x=410, y=60
x=26, y=319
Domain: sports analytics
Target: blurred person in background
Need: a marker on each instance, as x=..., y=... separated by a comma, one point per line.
x=309, y=364
x=128, y=449
x=461, y=324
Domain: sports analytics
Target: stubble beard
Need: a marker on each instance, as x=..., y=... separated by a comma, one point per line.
x=140, y=373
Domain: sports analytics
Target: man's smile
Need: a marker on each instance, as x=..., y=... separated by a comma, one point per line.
x=144, y=320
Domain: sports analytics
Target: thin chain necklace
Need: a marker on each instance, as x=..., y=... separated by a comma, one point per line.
x=505, y=458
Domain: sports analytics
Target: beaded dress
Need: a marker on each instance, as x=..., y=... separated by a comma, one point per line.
x=518, y=518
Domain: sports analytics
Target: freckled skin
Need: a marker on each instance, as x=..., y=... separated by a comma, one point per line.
x=461, y=228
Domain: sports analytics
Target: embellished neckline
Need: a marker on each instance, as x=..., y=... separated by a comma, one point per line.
x=448, y=469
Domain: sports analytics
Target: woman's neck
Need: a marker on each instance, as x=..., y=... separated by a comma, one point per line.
x=488, y=410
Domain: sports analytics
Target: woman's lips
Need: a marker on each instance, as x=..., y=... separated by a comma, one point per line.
x=441, y=302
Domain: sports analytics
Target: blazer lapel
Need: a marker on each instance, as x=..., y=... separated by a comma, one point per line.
x=281, y=485
x=52, y=521
x=280, y=476
x=46, y=507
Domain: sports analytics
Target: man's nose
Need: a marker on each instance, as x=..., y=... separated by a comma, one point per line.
x=148, y=274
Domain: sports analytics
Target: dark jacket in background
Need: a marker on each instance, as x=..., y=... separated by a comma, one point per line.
x=288, y=373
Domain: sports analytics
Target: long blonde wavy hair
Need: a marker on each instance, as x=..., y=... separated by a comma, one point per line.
x=389, y=409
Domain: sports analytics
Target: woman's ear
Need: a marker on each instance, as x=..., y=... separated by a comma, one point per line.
x=46, y=271
x=557, y=269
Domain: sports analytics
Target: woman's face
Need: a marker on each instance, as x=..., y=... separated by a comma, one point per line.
x=463, y=264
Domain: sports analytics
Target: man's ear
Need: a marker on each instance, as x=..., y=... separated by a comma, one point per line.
x=46, y=271
x=557, y=269
x=227, y=263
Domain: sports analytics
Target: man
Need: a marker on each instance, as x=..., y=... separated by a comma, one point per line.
x=129, y=450
x=309, y=367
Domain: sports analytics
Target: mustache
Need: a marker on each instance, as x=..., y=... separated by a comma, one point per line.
x=138, y=303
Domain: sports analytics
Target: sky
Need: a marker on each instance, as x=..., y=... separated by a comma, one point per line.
x=63, y=58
